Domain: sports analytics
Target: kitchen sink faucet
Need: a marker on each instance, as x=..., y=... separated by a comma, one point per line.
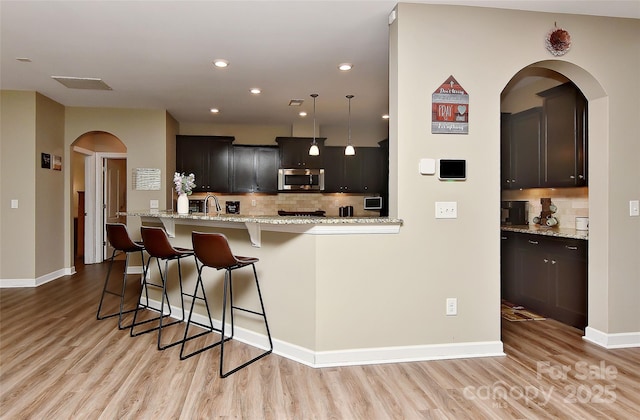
x=215, y=199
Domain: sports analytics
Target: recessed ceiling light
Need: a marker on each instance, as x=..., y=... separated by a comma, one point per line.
x=255, y=91
x=220, y=62
x=385, y=116
x=302, y=113
x=214, y=110
x=345, y=66
x=296, y=102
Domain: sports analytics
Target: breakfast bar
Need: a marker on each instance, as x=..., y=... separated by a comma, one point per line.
x=322, y=278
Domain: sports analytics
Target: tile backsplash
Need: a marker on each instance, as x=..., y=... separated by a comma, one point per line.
x=571, y=202
x=269, y=204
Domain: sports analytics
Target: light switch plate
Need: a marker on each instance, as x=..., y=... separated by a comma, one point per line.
x=634, y=208
x=14, y=204
x=427, y=166
x=446, y=209
x=153, y=204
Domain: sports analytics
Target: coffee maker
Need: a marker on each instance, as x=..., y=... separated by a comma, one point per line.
x=514, y=213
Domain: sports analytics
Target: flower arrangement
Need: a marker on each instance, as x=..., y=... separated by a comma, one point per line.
x=184, y=183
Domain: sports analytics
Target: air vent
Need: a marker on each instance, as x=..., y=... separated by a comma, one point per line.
x=296, y=102
x=82, y=83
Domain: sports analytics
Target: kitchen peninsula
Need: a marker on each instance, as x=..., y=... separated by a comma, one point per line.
x=316, y=274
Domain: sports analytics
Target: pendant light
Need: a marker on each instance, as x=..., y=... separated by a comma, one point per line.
x=349, y=150
x=313, y=150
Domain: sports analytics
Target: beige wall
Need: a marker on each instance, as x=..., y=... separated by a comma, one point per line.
x=18, y=182
x=49, y=209
x=143, y=132
x=420, y=62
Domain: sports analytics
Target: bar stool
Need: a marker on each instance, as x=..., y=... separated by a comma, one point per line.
x=212, y=250
x=119, y=238
x=157, y=245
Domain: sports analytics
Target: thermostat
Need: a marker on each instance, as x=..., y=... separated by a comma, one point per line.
x=452, y=169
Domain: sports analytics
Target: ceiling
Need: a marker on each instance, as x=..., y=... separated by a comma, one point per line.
x=158, y=54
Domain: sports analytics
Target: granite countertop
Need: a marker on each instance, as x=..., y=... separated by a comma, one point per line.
x=548, y=231
x=271, y=220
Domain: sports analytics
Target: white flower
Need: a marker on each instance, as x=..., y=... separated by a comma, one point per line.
x=184, y=183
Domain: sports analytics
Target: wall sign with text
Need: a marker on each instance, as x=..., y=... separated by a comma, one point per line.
x=450, y=109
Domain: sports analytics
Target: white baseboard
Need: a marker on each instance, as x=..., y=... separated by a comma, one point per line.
x=37, y=281
x=352, y=357
x=612, y=341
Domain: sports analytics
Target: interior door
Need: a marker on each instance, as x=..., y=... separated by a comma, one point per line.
x=115, y=196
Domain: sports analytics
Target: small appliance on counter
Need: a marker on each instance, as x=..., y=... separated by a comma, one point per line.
x=514, y=213
x=232, y=207
x=346, y=211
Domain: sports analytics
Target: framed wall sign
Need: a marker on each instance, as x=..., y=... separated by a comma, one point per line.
x=450, y=109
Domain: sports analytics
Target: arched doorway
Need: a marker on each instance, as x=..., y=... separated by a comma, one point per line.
x=98, y=168
x=520, y=94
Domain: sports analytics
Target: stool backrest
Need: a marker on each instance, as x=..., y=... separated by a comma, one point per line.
x=213, y=250
x=119, y=238
x=156, y=242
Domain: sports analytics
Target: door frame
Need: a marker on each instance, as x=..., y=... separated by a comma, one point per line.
x=100, y=230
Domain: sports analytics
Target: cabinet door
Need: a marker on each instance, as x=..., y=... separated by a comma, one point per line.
x=192, y=156
x=564, y=160
x=509, y=280
x=244, y=173
x=294, y=152
x=333, y=169
x=526, y=143
x=373, y=169
x=569, y=280
x=220, y=157
x=533, y=269
x=505, y=151
x=266, y=162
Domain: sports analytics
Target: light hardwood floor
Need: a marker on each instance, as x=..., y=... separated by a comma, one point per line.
x=58, y=362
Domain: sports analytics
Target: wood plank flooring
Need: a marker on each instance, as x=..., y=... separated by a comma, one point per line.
x=58, y=362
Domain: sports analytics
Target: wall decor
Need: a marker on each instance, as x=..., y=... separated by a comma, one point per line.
x=146, y=179
x=57, y=163
x=450, y=109
x=45, y=160
x=558, y=41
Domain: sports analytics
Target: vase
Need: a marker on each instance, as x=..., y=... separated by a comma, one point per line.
x=183, y=204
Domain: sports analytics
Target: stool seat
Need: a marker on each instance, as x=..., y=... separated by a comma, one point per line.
x=157, y=245
x=120, y=241
x=212, y=250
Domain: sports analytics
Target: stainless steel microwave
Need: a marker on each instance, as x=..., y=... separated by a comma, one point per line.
x=301, y=179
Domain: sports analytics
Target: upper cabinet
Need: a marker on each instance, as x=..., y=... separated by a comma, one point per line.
x=294, y=152
x=209, y=158
x=363, y=172
x=565, y=125
x=521, y=143
x=546, y=146
x=255, y=169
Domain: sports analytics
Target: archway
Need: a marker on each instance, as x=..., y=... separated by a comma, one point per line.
x=89, y=154
x=555, y=72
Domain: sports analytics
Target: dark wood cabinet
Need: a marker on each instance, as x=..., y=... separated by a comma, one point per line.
x=521, y=149
x=547, y=275
x=209, y=158
x=294, y=152
x=361, y=173
x=255, y=169
x=546, y=147
x=564, y=157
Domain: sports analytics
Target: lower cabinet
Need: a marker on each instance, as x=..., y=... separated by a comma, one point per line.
x=547, y=275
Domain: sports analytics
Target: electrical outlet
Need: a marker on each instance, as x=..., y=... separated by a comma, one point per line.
x=446, y=209
x=253, y=203
x=452, y=306
x=14, y=204
x=153, y=204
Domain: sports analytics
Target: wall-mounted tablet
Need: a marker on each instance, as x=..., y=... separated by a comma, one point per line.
x=452, y=169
